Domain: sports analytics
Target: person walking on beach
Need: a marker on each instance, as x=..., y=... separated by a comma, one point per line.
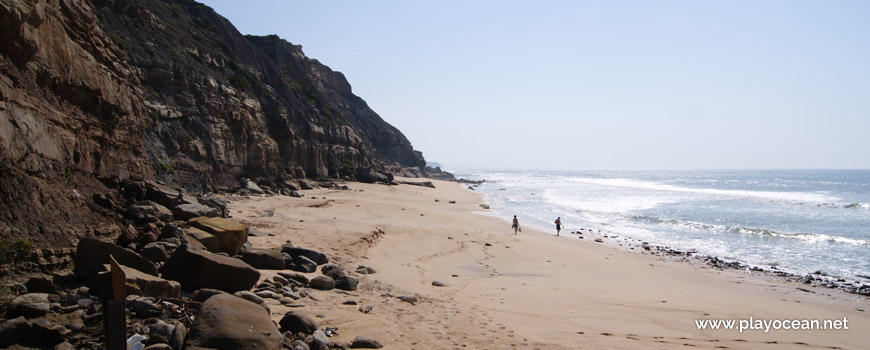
x=516, y=225
x=558, y=225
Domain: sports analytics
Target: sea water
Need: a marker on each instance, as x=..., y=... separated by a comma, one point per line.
x=800, y=221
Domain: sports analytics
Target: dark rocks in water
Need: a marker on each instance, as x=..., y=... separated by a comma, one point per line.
x=92, y=254
x=297, y=322
x=228, y=322
x=364, y=342
x=200, y=269
x=266, y=259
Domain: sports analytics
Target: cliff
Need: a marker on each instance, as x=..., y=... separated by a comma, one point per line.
x=166, y=90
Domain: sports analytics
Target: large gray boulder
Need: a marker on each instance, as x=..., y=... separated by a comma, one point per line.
x=228, y=322
x=92, y=254
x=196, y=269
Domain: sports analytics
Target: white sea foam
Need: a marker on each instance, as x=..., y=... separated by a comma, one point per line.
x=797, y=197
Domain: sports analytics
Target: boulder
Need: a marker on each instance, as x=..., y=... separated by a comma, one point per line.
x=140, y=283
x=231, y=234
x=304, y=264
x=267, y=259
x=14, y=331
x=165, y=196
x=363, y=342
x=307, y=185
x=31, y=305
x=49, y=331
x=40, y=285
x=342, y=280
x=296, y=321
x=315, y=256
x=209, y=241
x=92, y=254
x=322, y=282
x=146, y=208
x=200, y=269
x=157, y=251
x=228, y=322
x=192, y=210
x=252, y=186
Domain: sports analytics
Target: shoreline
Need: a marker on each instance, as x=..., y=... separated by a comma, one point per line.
x=502, y=290
x=858, y=284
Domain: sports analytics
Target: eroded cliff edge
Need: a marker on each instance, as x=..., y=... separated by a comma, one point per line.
x=167, y=90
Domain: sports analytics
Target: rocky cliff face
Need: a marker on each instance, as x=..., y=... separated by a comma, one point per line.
x=168, y=90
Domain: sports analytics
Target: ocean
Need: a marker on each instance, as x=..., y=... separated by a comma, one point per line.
x=800, y=221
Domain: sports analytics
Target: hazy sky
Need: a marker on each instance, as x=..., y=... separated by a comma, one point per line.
x=599, y=84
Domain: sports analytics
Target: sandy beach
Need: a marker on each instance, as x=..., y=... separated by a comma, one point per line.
x=526, y=291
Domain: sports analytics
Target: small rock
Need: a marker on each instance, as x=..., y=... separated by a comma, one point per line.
x=322, y=282
x=320, y=338
x=280, y=280
x=412, y=299
x=298, y=277
x=254, y=298
x=363, y=342
x=349, y=302
x=158, y=346
x=438, y=284
x=298, y=345
x=365, y=270
x=297, y=321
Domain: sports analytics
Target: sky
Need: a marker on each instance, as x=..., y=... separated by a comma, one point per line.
x=592, y=85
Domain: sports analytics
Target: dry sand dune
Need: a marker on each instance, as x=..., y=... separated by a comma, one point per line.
x=526, y=291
